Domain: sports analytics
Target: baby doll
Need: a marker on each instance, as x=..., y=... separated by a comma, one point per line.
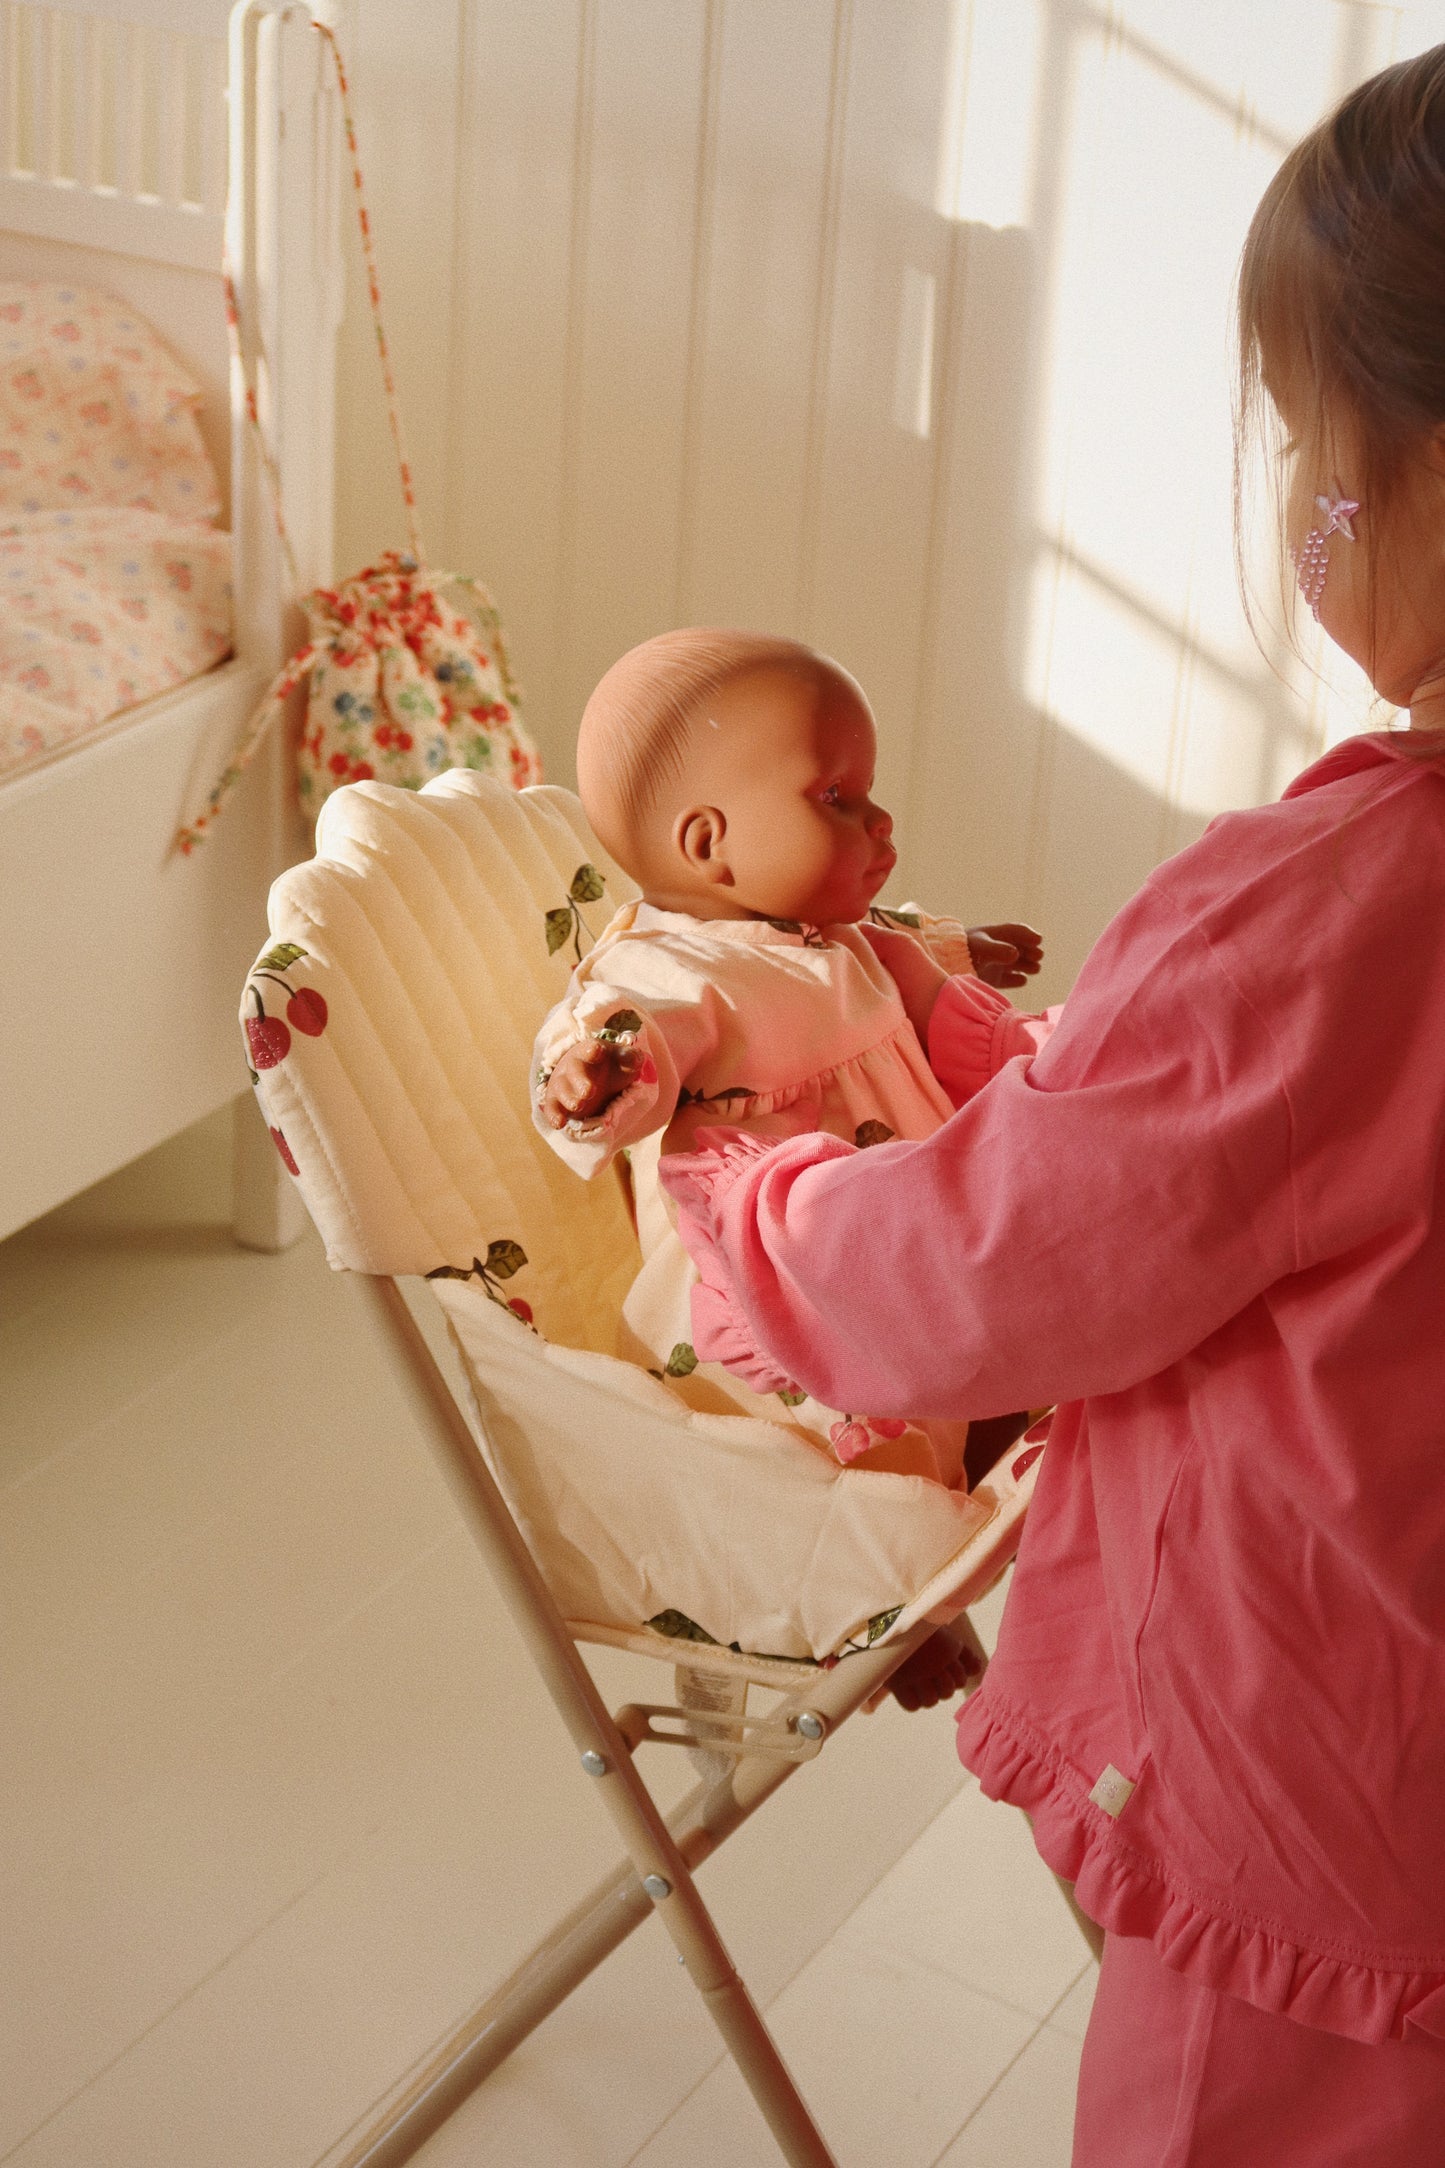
x=730, y=774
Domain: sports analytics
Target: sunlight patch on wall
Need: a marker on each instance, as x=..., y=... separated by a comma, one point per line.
x=1134, y=436
x=1268, y=71
x=1171, y=712
x=1124, y=711
x=1170, y=123
x=913, y=371
x=986, y=160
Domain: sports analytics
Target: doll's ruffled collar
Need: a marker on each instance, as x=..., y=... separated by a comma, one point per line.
x=757, y=932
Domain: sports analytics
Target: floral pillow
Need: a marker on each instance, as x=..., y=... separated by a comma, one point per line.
x=94, y=409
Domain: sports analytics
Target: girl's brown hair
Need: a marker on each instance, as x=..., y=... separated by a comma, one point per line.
x=1341, y=312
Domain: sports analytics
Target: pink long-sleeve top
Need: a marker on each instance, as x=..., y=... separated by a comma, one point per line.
x=1207, y=1219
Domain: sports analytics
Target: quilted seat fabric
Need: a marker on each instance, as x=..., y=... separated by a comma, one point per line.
x=390, y=1024
x=421, y=926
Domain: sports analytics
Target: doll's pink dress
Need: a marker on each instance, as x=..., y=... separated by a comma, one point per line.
x=777, y=1029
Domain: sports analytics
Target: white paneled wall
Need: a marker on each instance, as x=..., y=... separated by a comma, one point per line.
x=901, y=325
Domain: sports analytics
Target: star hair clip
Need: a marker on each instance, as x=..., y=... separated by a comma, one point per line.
x=1312, y=558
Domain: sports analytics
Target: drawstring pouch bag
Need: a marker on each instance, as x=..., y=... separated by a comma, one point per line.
x=408, y=667
x=408, y=675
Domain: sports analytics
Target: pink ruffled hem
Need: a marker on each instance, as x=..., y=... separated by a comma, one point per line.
x=699, y=1180
x=961, y=1036
x=974, y=1030
x=1130, y=1894
x=721, y=1334
x=700, y=1184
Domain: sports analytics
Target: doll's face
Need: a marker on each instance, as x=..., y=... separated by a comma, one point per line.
x=774, y=816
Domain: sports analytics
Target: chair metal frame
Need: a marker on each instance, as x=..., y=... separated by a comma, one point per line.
x=746, y=1760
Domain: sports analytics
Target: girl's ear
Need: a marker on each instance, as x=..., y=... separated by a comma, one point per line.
x=699, y=834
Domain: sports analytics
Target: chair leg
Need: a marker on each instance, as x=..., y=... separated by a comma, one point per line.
x=768, y=2079
x=662, y=1853
x=656, y=1858
x=578, y=1944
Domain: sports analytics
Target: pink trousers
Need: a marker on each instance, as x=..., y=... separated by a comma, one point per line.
x=1177, y=2075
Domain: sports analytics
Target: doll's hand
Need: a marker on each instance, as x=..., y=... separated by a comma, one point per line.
x=912, y=970
x=1005, y=955
x=588, y=1078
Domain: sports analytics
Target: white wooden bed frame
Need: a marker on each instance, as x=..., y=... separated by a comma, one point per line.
x=121, y=960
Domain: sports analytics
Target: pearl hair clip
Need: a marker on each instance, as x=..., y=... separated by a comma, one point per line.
x=1312, y=558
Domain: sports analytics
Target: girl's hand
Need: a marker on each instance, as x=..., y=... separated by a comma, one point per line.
x=1005, y=955
x=587, y=1079
x=912, y=970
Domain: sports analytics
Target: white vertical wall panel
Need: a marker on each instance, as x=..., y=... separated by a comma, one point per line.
x=902, y=328
x=977, y=740
x=864, y=599
x=524, y=82
x=759, y=328
x=630, y=334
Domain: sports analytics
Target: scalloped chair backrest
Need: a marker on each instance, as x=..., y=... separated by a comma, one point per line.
x=389, y=1028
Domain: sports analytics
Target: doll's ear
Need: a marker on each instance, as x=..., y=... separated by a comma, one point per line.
x=698, y=834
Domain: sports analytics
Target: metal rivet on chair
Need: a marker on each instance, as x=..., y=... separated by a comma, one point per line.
x=657, y=1887
x=809, y=1723
x=594, y=1763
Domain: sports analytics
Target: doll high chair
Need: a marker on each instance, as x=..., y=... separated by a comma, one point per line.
x=390, y=1024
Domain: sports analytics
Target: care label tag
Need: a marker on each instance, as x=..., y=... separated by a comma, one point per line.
x=1112, y=1792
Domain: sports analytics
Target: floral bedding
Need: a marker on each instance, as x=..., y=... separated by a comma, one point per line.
x=114, y=579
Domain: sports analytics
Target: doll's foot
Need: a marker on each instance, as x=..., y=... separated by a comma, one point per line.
x=947, y=1663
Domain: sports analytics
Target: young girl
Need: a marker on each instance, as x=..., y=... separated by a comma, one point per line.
x=1209, y=1221
x=732, y=776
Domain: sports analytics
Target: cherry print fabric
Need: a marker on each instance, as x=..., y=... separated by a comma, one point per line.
x=388, y=1025
x=1208, y=1220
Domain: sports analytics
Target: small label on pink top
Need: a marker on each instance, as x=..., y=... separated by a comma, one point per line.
x=1112, y=1792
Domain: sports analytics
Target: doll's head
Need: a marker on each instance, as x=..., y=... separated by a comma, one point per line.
x=1342, y=369
x=730, y=774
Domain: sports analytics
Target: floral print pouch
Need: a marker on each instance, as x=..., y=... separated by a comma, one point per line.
x=408, y=677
